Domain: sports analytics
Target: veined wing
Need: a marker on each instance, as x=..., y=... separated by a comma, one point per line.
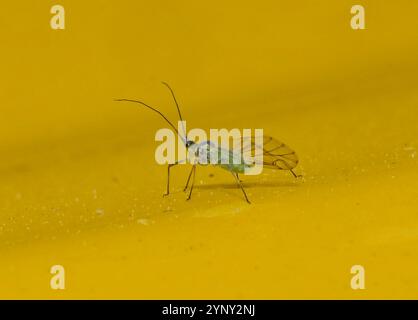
x=276, y=154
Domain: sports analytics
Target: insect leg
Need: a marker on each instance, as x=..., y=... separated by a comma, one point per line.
x=188, y=180
x=294, y=174
x=191, y=188
x=242, y=188
x=168, y=178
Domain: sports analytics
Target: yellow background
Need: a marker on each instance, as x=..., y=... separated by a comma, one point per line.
x=80, y=186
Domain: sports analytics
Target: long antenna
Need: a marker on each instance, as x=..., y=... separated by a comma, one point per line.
x=177, y=105
x=153, y=109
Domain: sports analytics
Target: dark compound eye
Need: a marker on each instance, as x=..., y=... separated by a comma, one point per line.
x=189, y=143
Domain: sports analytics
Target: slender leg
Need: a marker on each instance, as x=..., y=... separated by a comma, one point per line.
x=168, y=178
x=294, y=174
x=188, y=179
x=191, y=188
x=242, y=188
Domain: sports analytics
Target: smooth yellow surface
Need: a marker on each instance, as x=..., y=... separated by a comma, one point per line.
x=80, y=186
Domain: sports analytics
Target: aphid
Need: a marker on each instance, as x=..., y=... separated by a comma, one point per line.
x=276, y=155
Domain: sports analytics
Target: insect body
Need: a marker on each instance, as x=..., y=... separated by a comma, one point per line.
x=205, y=152
x=276, y=155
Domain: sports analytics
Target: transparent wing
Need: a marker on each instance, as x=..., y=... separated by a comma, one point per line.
x=276, y=155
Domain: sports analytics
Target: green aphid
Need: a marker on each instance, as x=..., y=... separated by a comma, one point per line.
x=276, y=155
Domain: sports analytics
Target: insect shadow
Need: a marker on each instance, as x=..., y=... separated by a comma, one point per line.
x=265, y=184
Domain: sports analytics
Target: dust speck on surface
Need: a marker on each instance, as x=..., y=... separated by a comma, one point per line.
x=145, y=222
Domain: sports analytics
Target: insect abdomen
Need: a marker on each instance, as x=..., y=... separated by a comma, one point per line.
x=226, y=161
x=237, y=168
